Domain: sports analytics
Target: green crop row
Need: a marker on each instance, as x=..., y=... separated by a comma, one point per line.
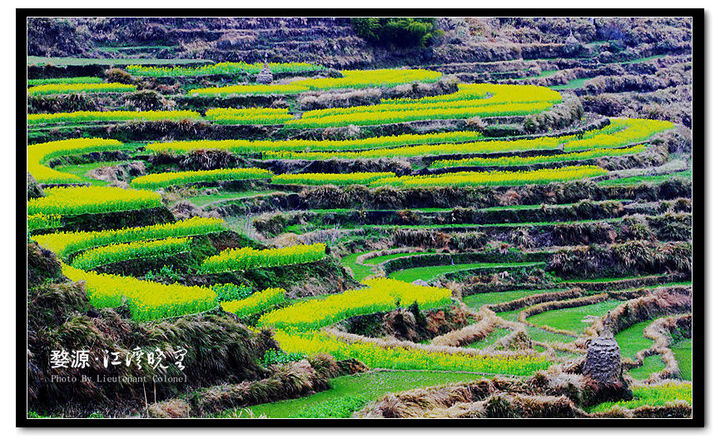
x=146, y=300
x=370, y=117
x=490, y=100
x=111, y=116
x=69, y=88
x=64, y=80
x=247, y=90
x=350, y=79
x=67, y=243
x=255, y=303
x=488, y=178
x=471, y=100
x=42, y=152
x=231, y=292
x=517, y=160
x=247, y=258
x=654, y=395
x=109, y=254
x=330, y=178
x=620, y=132
x=479, y=147
x=248, y=116
x=92, y=200
x=468, y=96
x=259, y=146
x=491, y=93
x=684, y=175
x=496, y=178
x=162, y=180
x=43, y=221
x=379, y=295
x=226, y=68
x=396, y=357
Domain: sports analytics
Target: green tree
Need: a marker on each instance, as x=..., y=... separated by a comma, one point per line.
x=396, y=31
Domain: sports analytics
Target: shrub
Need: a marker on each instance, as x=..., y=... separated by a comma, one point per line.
x=167, y=272
x=273, y=356
x=119, y=75
x=145, y=99
x=231, y=292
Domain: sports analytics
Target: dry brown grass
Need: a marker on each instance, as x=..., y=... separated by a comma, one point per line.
x=495, y=398
x=392, y=342
x=360, y=260
x=472, y=333
x=534, y=299
x=560, y=304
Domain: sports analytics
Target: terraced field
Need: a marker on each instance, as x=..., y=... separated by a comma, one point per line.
x=447, y=232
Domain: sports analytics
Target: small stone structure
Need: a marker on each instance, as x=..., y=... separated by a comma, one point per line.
x=264, y=76
x=571, y=39
x=603, y=362
x=603, y=380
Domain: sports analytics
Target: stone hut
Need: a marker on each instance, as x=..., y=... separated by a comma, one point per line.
x=264, y=76
x=603, y=362
x=603, y=370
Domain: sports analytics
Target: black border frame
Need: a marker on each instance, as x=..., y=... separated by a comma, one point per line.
x=699, y=202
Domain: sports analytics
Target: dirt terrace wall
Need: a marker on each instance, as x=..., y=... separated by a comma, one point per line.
x=359, y=196
x=635, y=257
x=429, y=260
